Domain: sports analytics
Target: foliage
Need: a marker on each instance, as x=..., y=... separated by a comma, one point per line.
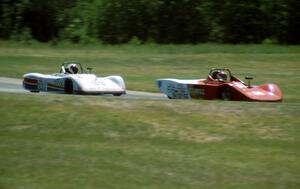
x=160, y=21
x=242, y=21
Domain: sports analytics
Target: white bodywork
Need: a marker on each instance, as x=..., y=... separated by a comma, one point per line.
x=84, y=83
x=176, y=88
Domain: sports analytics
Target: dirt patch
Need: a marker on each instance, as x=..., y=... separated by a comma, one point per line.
x=185, y=134
x=21, y=127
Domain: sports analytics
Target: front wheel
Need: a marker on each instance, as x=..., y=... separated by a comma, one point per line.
x=226, y=93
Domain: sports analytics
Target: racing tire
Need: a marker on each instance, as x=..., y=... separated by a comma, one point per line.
x=226, y=93
x=68, y=86
x=35, y=91
x=117, y=94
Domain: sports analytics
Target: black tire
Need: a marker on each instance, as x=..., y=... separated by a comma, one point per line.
x=226, y=93
x=35, y=91
x=68, y=86
x=117, y=94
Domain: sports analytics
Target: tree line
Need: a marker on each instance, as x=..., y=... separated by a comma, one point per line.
x=159, y=21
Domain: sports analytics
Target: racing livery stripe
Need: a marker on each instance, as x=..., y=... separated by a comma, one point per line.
x=52, y=87
x=30, y=81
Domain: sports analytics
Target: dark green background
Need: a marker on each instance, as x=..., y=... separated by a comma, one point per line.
x=159, y=21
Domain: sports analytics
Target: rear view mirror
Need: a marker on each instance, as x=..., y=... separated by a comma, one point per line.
x=248, y=78
x=89, y=69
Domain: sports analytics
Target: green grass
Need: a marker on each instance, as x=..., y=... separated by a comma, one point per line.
x=65, y=141
x=142, y=65
x=61, y=141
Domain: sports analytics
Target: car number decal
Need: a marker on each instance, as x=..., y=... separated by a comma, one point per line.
x=59, y=83
x=177, y=91
x=42, y=85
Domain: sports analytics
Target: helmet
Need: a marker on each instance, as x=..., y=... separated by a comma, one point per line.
x=222, y=76
x=73, y=69
x=214, y=75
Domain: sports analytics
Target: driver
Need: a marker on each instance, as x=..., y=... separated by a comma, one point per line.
x=214, y=75
x=222, y=76
x=72, y=68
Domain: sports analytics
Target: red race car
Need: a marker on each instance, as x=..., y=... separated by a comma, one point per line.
x=219, y=84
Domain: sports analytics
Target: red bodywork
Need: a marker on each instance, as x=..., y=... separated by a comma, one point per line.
x=233, y=89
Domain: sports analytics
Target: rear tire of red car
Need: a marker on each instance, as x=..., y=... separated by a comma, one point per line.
x=226, y=93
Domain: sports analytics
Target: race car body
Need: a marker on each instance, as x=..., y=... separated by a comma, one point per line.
x=78, y=82
x=220, y=84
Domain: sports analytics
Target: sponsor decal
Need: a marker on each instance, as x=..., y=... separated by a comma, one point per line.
x=57, y=85
x=240, y=85
x=42, y=85
x=195, y=91
x=258, y=93
x=177, y=90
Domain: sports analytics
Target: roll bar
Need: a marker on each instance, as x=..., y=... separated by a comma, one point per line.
x=220, y=69
x=66, y=63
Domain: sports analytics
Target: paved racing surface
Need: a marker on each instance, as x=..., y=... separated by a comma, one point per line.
x=15, y=86
x=11, y=85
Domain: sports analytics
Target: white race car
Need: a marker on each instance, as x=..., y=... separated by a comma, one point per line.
x=73, y=79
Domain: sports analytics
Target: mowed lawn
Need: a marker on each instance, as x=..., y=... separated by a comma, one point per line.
x=66, y=141
x=141, y=65
x=58, y=141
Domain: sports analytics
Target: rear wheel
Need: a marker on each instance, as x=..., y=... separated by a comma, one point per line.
x=68, y=86
x=226, y=93
x=35, y=91
x=117, y=94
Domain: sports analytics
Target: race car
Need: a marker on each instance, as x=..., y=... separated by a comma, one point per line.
x=219, y=84
x=74, y=79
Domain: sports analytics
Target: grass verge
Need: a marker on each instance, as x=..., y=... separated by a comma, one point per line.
x=142, y=65
x=59, y=141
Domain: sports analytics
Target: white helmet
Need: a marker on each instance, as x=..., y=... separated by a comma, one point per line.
x=222, y=76
x=73, y=68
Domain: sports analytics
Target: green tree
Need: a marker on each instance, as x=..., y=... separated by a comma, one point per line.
x=120, y=20
x=161, y=21
x=76, y=24
x=164, y=21
x=293, y=22
x=242, y=21
x=42, y=18
x=182, y=21
x=6, y=19
x=11, y=17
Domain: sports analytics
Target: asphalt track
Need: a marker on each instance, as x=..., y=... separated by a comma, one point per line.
x=12, y=85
